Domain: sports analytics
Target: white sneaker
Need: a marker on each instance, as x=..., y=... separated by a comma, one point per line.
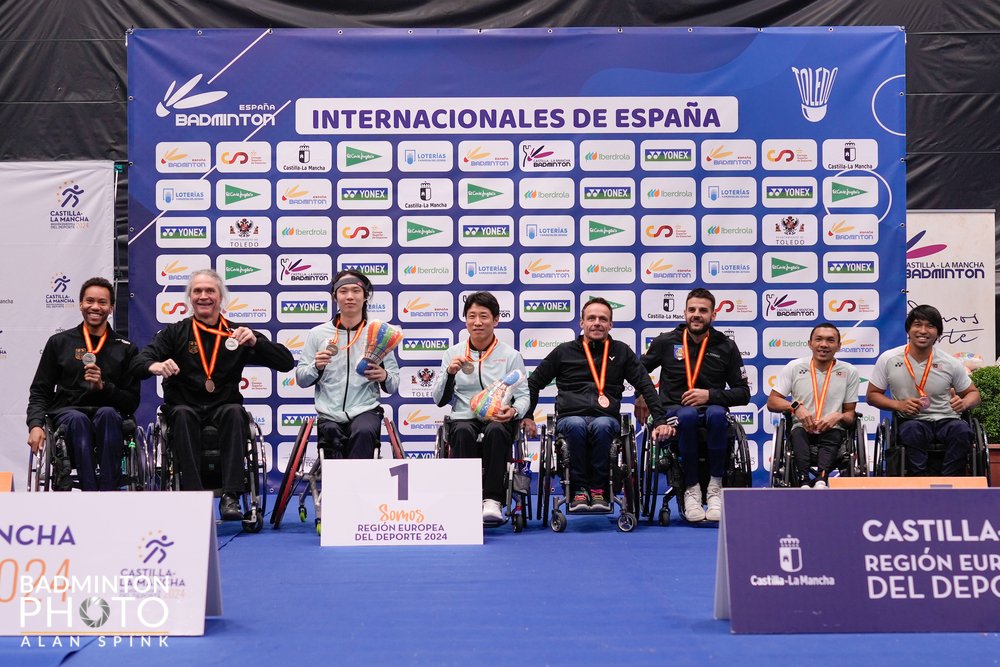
x=492, y=510
x=820, y=484
x=805, y=485
x=693, y=511
x=714, y=512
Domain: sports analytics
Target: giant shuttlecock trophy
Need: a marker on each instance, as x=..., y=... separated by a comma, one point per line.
x=489, y=401
x=380, y=339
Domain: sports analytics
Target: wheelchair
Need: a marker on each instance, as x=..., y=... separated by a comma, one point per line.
x=310, y=480
x=851, y=459
x=51, y=467
x=890, y=456
x=623, y=485
x=517, y=482
x=664, y=458
x=166, y=477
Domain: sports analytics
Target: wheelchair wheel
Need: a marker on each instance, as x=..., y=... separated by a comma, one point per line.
x=632, y=492
x=558, y=523
x=288, y=482
x=397, y=446
x=517, y=522
x=545, y=456
x=255, y=503
x=664, y=518
x=859, y=457
x=779, y=463
x=739, y=468
x=980, y=453
x=441, y=445
x=881, y=443
x=647, y=476
x=626, y=522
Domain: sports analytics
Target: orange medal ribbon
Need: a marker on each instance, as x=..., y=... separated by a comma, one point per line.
x=593, y=370
x=927, y=370
x=351, y=341
x=220, y=333
x=482, y=355
x=820, y=397
x=89, y=343
x=693, y=377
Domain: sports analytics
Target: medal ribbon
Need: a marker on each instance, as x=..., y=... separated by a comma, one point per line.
x=482, y=355
x=927, y=370
x=693, y=377
x=820, y=398
x=604, y=365
x=351, y=341
x=209, y=367
x=90, y=344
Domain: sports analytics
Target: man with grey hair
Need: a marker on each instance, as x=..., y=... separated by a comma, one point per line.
x=201, y=360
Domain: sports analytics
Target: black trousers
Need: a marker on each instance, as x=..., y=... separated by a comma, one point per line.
x=492, y=449
x=826, y=445
x=185, y=423
x=356, y=439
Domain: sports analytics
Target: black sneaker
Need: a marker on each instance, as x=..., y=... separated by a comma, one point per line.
x=580, y=501
x=229, y=507
x=598, y=502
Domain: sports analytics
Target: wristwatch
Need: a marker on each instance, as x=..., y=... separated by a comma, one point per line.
x=795, y=405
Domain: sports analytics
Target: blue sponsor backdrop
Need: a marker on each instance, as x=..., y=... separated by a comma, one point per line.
x=545, y=165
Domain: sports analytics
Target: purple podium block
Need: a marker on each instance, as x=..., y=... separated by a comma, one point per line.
x=794, y=560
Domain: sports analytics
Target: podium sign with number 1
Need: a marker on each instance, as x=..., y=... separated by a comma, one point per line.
x=392, y=502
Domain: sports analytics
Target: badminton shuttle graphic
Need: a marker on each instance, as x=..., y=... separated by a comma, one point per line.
x=489, y=401
x=815, y=85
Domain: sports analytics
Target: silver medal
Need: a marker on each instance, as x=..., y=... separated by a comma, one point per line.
x=89, y=358
x=468, y=367
x=209, y=385
x=232, y=344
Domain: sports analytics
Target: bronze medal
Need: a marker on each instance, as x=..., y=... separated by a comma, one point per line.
x=925, y=402
x=209, y=385
x=333, y=349
x=604, y=401
x=468, y=367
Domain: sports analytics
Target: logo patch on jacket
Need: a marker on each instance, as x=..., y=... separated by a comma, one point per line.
x=78, y=353
x=192, y=347
x=679, y=352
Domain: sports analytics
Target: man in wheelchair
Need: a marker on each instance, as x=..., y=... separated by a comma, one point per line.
x=590, y=373
x=819, y=416
x=468, y=368
x=83, y=383
x=201, y=360
x=696, y=363
x=929, y=394
x=347, y=404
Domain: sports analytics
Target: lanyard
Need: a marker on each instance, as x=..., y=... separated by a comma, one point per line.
x=820, y=398
x=693, y=377
x=593, y=369
x=927, y=370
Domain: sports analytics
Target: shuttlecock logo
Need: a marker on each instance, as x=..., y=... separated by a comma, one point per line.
x=815, y=85
x=179, y=98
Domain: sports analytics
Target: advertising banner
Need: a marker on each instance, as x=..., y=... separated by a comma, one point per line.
x=58, y=229
x=547, y=166
x=950, y=260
